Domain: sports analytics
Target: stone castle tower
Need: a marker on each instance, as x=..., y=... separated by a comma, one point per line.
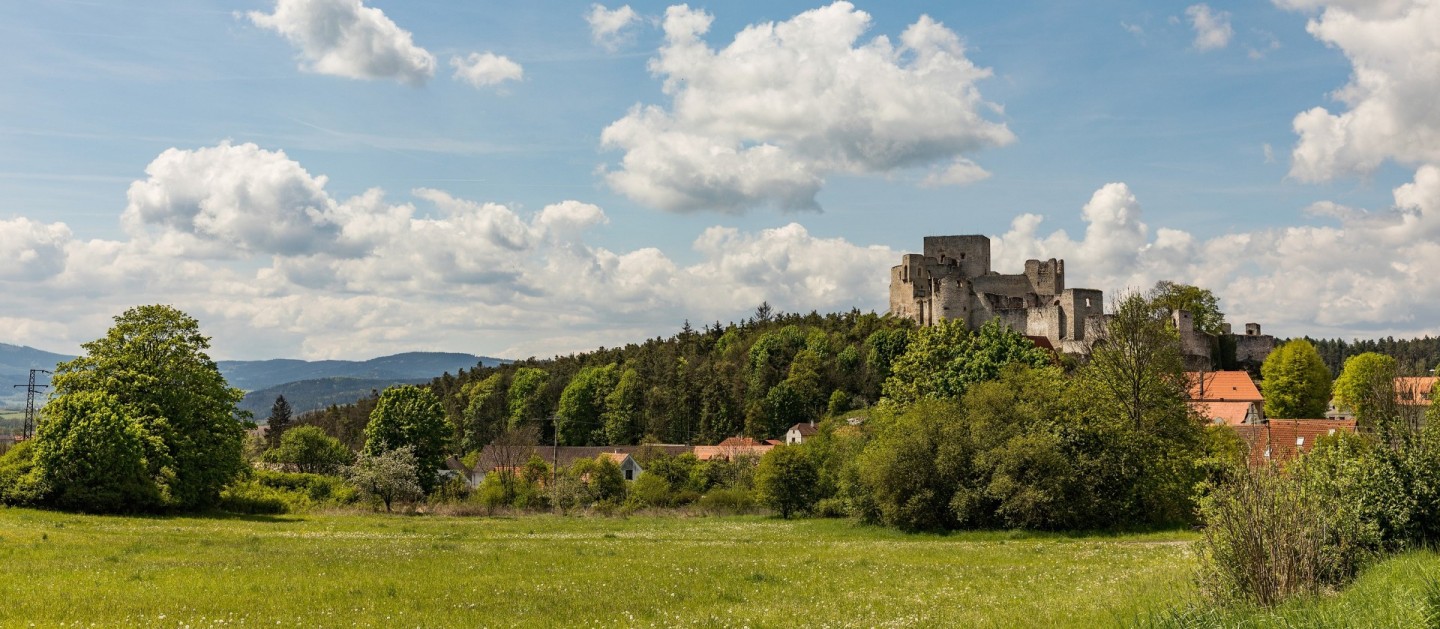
x=952, y=279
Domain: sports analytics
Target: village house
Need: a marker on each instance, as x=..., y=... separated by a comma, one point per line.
x=1279, y=441
x=800, y=432
x=499, y=457
x=1226, y=397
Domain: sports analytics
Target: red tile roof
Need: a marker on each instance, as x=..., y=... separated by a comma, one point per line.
x=730, y=452
x=1231, y=413
x=1415, y=390
x=1223, y=386
x=1280, y=440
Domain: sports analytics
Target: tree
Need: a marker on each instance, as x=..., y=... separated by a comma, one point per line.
x=278, y=422
x=622, y=406
x=1137, y=367
x=525, y=398
x=1366, y=387
x=390, y=476
x=152, y=387
x=582, y=404
x=409, y=416
x=941, y=361
x=307, y=449
x=486, y=414
x=1296, y=381
x=786, y=480
x=1203, y=305
x=91, y=455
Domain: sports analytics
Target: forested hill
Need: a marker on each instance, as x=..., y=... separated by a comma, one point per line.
x=1414, y=357
x=757, y=377
x=253, y=375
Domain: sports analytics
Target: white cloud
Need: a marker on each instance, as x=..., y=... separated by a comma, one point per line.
x=252, y=244
x=485, y=69
x=1394, y=48
x=1212, y=28
x=762, y=121
x=345, y=38
x=608, y=27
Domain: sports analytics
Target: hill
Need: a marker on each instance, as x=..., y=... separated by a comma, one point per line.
x=16, y=361
x=309, y=395
x=254, y=375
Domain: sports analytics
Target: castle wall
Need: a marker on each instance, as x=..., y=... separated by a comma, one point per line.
x=1079, y=306
x=1007, y=285
x=1252, y=349
x=971, y=253
x=1046, y=278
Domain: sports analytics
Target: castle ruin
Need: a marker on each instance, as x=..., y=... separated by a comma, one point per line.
x=952, y=279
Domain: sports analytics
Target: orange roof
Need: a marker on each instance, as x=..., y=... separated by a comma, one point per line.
x=1415, y=390
x=618, y=457
x=1281, y=440
x=705, y=453
x=1223, y=386
x=1231, y=413
x=741, y=442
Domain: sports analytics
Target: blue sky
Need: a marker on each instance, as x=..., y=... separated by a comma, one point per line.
x=314, y=190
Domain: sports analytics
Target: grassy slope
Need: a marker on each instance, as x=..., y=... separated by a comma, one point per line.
x=549, y=571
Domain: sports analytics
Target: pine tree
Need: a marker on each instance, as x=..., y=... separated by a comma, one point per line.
x=278, y=422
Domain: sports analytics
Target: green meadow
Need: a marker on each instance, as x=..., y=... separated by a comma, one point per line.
x=60, y=569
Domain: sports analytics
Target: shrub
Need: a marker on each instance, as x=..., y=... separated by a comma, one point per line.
x=280, y=492
x=17, y=485
x=832, y=508
x=1267, y=538
x=728, y=501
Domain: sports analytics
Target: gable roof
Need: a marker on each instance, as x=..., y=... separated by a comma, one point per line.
x=1223, y=386
x=1281, y=440
x=1230, y=413
x=738, y=442
x=1415, y=391
x=806, y=429
x=730, y=452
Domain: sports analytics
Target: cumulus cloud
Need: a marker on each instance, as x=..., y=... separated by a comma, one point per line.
x=345, y=38
x=1394, y=48
x=609, y=28
x=1212, y=28
x=486, y=69
x=254, y=245
x=762, y=121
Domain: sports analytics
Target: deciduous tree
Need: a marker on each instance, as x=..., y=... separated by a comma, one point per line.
x=786, y=480
x=1296, y=382
x=151, y=386
x=307, y=449
x=1203, y=305
x=409, y=416
x=390, y=476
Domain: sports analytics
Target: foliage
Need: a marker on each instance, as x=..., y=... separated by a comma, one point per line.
x=728, y=501
x=266, y=492
x=308, y=450
x=410, y=416
x=389, y=476
x=942, y=360
x=526, y=399
x=578, y=419
x=17, y=484
x=1296, y=382
x=785, y=480
x=1366, y=387
x=1267, y=539
x=90, y=455
x=1203, y=305
x=1413, y=357
x=909, y=471
x=162, y=410
x=278, y=422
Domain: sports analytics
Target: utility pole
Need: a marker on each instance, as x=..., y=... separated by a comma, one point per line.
x=28, y=430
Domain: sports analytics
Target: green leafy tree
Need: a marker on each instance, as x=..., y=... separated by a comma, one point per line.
x=409, y=416
x=786, y=480
x=526, y=398
x=486, y=415
x=941, y=360
x=156, y=387
x=278, y=422
x=1366, y=387
x=91, y=455
x=1203, y=305
x=390, y=476
x=307, y=449
x=622, y=408
x=582, y=404
x=1296, y=381
x=908, y=474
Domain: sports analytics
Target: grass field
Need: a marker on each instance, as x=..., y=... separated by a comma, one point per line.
x=375, y=570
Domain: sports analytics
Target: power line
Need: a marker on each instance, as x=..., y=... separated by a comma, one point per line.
x=28, y=430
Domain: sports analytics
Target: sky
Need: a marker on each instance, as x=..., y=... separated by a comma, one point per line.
x=346, y=179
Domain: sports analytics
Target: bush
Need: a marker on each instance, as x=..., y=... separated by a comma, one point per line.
x=266, y=492
x=1267, y=538
x=17, y=485
x=831, y=508
x=728, y=501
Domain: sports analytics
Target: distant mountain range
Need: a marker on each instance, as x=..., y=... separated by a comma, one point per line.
x=306, y=385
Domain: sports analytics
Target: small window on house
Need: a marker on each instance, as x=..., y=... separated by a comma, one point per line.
x=629, y=474
x=1332, y=431
x=1267, y=453
x=1299, y=441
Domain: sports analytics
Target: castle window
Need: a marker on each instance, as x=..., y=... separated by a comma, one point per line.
x=962, y=256
x=1087, y=302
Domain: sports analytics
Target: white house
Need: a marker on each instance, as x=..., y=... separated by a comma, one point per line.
x=800, y=432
